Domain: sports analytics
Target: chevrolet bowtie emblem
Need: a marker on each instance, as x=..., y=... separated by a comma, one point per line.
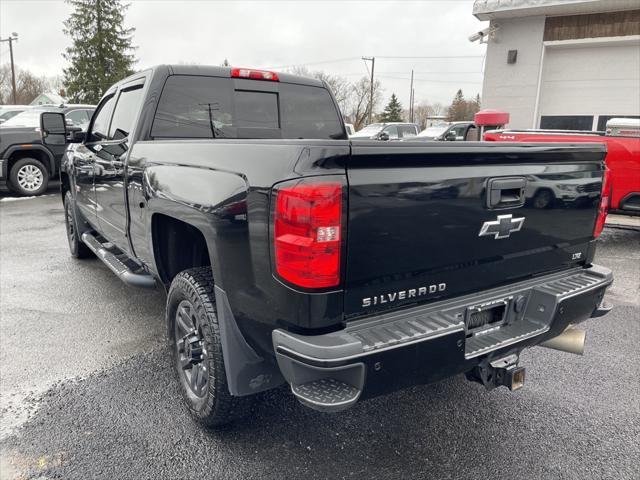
x=504, y=226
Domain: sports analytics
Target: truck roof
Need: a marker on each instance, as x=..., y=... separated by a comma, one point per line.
x=217, y=71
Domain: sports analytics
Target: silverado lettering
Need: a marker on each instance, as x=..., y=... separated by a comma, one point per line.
x=403, y=294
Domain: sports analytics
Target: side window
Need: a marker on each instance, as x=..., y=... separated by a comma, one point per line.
x=100, y=128
x=125, y=112
x=392, y=130
x=77, y=118
x=460, y=131
x=407, y=131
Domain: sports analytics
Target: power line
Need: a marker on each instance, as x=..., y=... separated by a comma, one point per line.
x=426, y=80
x=321, y=62
x=435, y=73
x=433, y=57
x=389, y=57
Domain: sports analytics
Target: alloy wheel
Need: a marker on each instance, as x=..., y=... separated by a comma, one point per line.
x=30, y=178
x=192, y=353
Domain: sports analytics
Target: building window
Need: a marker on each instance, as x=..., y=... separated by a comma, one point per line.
x=603, y=119
x=566, y=122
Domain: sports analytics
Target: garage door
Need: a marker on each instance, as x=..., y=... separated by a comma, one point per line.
x=581, y=83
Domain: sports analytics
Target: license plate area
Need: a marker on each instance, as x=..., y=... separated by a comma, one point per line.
x=486, y=317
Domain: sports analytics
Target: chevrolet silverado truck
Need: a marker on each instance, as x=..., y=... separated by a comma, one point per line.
x=291, y=255
x=622, y=138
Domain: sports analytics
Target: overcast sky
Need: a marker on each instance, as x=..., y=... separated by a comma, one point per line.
x=330, y=35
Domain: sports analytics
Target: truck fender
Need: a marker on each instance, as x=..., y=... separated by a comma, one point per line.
x=18, y=148
x=187, y=194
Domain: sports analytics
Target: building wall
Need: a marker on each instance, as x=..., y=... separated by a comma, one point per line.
x=573, y=70
x=513, y=88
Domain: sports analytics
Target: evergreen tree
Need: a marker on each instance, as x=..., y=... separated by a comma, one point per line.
x=458, y=108
x=393, y=111
x=101, y=52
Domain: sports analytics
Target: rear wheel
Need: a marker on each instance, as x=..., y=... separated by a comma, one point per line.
x=29, y=177
x=77, y=248
x=194, y=335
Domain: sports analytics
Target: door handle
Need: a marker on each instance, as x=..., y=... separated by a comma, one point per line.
x=506, y=192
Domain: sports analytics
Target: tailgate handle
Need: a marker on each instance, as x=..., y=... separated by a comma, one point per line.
x=506, y=192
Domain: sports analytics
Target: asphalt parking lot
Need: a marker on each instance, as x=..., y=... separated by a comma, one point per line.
x=86, y=390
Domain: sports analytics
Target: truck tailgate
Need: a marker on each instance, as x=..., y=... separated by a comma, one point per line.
x=429, y=222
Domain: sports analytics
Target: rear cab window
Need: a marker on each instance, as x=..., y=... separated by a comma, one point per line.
x=216, y=107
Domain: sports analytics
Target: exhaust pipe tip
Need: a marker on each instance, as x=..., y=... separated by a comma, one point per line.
x=571, y=340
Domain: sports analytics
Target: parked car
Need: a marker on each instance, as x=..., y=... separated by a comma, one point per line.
x=26, y=163
x=622, y=139
x=10, y=111
x=290, y=254
x=386, y=131
x=451, y=132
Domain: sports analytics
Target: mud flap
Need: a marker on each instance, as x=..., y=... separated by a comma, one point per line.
x=247, y=372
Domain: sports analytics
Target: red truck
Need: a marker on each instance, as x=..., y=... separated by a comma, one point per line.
x=622, y=139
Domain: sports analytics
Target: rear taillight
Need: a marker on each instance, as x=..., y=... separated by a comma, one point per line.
x=254, y=74
x=605, y=199
x=307, y=232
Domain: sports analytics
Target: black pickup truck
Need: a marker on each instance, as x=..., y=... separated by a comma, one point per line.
x=347, y=270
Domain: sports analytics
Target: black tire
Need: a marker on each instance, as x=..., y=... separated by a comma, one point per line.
x=29, y=177
x=77, y=248
x=543, y=199
x=194, y=337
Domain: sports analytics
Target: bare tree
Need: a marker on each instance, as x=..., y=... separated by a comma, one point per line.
x=358, y=106
x=28, y=86
x=339, y=86
x=5, y=84
x=437, y=109
x=426, y=110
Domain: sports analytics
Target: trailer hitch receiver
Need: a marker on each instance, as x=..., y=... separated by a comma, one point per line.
x=494, y=373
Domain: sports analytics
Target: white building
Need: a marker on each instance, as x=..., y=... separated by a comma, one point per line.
x=48, y=99
x=569, y=64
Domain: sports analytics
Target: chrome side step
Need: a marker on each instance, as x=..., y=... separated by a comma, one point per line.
x=116, y=265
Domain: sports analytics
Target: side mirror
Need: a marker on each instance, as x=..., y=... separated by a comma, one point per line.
x=53, y=128
x=76, y=135
x=384, y=136
x=450, y=136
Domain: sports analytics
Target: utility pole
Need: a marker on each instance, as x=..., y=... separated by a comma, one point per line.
x=373, y=66
x=11, y=39
x=411, y=100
